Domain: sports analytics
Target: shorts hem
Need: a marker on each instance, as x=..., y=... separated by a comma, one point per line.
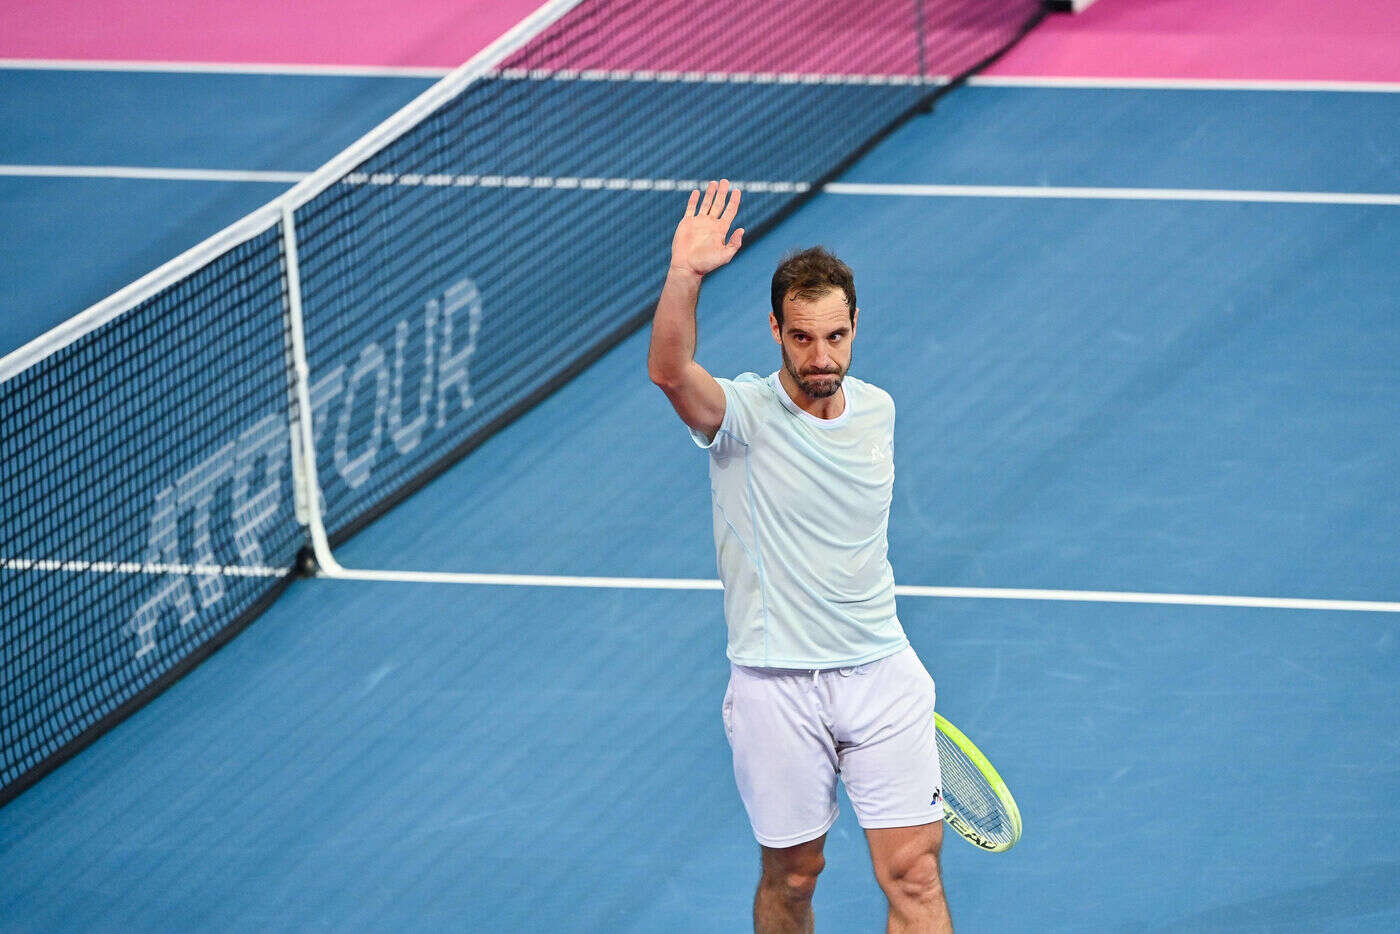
x=884, y=823
x=778, y=843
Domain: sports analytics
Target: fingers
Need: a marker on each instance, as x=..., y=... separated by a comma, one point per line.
x=732, y=208
x=718, y=201
x=721, y=193
x=709, y=201
x=715, y=207
x=736, y=240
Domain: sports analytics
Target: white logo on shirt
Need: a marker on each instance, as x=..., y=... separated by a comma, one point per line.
x=878, y=455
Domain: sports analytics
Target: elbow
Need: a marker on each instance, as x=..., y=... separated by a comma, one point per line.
x=663, y=378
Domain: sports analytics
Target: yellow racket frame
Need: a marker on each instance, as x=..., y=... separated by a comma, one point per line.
x=954, y=820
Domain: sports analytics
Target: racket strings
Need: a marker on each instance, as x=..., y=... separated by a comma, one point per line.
x=968, y=794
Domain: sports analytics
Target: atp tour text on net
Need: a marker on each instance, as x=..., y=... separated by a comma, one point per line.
x=190, y=569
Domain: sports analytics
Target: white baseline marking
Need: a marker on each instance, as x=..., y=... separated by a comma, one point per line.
x=1113, y=194
x=757, y=186
x=535, y=74
x=153, y=174
x=971, y=593
x=527, y=580
x=698, y=583
x=419, y=71
x=139, y=567
x=1183, y=84
x=225, y=68
x=1175, y=599
x=720, y=77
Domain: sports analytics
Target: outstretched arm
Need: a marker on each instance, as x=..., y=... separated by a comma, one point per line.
x=701, y=245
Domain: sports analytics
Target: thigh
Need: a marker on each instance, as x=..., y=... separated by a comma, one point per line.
x=784, y=755
x=889, y=752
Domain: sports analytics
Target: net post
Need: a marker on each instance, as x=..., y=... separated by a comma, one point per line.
x=305, y=480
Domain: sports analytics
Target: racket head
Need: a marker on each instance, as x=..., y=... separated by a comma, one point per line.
x=976, y=802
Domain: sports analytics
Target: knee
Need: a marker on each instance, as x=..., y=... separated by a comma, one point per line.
x=916, y=878
x=795, y=882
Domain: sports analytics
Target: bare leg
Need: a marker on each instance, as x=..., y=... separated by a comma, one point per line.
x=907, y=868
x=783, y=904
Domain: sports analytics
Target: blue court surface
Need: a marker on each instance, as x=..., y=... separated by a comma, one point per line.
x=1175, y=396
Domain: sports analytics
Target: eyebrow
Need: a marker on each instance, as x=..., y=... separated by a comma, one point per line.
x=794, y=329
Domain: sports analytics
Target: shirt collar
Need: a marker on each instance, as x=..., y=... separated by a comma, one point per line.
x=806, y=416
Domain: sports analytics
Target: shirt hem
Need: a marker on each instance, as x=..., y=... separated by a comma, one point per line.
x=817, y=664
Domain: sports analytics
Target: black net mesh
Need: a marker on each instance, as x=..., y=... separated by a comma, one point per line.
x=147, y=498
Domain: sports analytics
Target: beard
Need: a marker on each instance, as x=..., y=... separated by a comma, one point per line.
x=817, y=384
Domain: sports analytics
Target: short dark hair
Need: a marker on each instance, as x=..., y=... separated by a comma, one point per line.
x=809, y=274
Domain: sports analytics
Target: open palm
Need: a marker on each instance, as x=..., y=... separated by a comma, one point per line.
x=702, y=242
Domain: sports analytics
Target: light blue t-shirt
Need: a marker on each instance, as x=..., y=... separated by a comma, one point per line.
x=801, y=509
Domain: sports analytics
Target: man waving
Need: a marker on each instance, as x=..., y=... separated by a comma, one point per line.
x=823, y=681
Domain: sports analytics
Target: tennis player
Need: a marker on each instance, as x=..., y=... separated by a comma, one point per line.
x=823, y=682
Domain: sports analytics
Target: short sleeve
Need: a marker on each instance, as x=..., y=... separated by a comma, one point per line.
x=742, y=397
x=891, y=401
x=886, y=406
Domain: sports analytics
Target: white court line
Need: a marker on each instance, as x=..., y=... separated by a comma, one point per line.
x=1174, y=599
x=151, y=174
x=527, y=580
x=719, y=77
x=698, y=583
x=757, y=186
x=138, y=567
x=534, y=74
x=562, y=182
x=972, y=593
x=1182, y=84
x=1114, y=194
x=410, y=71
x=224, y=68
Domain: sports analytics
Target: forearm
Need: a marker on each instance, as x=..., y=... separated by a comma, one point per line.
x=673, y=327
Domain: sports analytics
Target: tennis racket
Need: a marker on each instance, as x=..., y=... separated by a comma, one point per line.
x=976, y=802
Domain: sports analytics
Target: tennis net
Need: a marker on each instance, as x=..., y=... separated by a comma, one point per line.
x=171, y=451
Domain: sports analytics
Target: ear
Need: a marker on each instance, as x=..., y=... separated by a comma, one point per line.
x=778, y=331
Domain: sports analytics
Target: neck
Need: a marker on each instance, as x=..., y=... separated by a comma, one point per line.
x=829, y=407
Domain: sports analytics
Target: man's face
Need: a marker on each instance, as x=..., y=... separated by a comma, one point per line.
x=816, y=339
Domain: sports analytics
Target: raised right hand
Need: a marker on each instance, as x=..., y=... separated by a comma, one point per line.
x=702, y=243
